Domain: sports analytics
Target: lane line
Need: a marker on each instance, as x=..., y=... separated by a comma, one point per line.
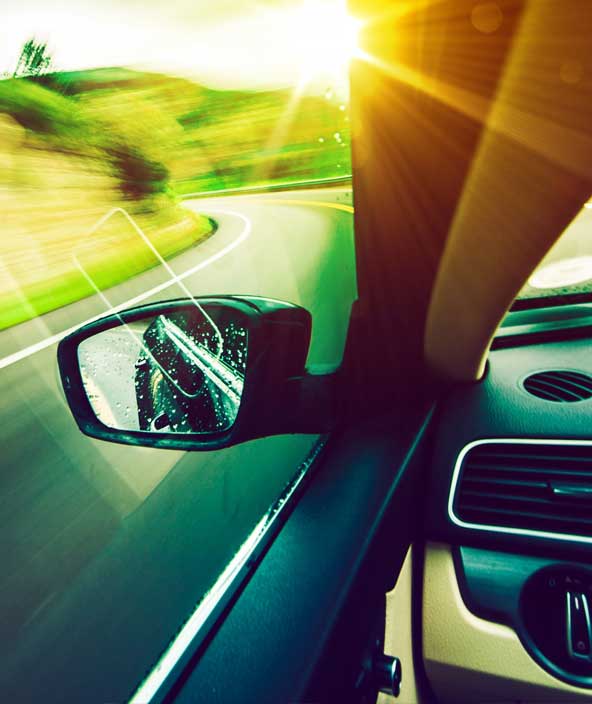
x=53, y=339
x=318, y=203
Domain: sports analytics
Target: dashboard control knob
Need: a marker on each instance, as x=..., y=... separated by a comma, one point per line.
x=387, y=674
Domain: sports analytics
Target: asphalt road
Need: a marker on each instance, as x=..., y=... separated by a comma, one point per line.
x=106, y=548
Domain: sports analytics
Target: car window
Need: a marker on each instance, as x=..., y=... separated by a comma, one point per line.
x=565, y=274
x=151, y=151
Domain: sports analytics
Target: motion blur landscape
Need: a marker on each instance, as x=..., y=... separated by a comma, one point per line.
x=97, y=161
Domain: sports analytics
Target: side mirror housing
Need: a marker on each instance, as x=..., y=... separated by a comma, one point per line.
x=194, y=374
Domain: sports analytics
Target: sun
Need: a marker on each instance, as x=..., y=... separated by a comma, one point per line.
x=326, y=37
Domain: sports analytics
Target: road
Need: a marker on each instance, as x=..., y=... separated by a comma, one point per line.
x=106, y=548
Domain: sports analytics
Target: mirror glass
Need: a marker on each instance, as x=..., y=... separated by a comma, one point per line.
x=178, y=372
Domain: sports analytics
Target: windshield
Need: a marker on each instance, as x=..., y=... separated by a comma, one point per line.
x=565, y=274
x=153, y=151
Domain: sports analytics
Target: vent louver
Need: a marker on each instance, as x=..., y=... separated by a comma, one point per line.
x=535, y=486
x=559, y=386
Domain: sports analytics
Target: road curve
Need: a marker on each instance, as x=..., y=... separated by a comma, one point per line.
x=107, y=548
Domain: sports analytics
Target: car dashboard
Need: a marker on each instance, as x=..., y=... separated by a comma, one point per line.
x=507, y=582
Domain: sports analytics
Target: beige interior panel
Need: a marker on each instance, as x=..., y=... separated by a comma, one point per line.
x=468, y=659
x=398, y=634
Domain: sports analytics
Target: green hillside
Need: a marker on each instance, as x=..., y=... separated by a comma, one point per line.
x=211, y=139
x=76, y=146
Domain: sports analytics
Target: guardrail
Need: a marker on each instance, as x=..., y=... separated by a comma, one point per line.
x=286, y=186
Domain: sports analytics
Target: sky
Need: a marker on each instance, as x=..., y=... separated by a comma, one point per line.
x=223, y=43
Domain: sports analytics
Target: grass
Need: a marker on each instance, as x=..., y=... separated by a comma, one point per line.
x=114, y=254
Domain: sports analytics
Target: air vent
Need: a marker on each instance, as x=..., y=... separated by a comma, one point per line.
x=559, y=386
x=516, y=486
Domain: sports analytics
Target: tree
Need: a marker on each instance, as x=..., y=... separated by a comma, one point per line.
x=34, y=60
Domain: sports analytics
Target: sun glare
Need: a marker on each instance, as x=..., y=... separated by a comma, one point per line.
x=327, y=38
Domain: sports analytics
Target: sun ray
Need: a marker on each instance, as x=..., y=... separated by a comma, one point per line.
x=523, y=126
x=280, y=131
x=328, y=38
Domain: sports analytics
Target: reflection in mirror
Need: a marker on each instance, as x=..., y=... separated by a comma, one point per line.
x=167, y=373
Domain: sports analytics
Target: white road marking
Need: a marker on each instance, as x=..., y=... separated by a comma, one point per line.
x=142, y=235
x=176, y=278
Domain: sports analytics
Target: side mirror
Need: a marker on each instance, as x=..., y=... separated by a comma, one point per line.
x=191, y=374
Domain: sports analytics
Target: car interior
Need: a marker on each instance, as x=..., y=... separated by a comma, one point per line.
x=435, y=547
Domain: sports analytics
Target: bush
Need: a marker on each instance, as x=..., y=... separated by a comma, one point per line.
x=68, y=125
x=139, y=176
